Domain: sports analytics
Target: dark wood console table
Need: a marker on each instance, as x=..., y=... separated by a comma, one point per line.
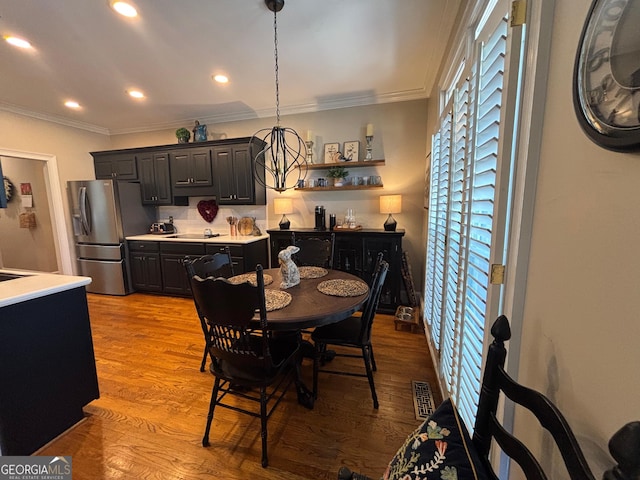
x=355, y=252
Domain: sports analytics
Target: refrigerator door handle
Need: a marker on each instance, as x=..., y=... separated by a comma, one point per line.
x=85, y=210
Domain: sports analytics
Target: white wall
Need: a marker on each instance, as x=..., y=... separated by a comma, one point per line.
x=399, y=138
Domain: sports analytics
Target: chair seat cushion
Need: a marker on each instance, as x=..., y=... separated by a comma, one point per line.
x=440, y=448
x=345, y=332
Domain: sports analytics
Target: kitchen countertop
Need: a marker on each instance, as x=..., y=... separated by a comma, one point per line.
x=223, y=238
x=35, y=285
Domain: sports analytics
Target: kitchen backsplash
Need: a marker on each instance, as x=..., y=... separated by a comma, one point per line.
x=188, y=219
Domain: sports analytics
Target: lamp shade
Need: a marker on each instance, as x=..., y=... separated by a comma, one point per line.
x=390, y=203
x=282, y=205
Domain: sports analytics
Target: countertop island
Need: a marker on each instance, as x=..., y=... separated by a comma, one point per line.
x=32, y=285
x=47, y=364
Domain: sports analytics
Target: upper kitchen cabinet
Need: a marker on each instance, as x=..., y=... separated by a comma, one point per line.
x=155, y=181
x=118, y=166
x=234, y=173
x=191, y=173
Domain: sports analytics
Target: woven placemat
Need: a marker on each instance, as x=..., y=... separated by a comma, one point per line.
x=343, y=288
x=276, y=299
x=312, y=272
x=251, y=278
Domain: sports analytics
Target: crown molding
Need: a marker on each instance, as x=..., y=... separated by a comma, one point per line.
x=7, y=107
x=323, y=105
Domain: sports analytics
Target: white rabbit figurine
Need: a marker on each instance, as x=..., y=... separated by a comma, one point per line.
x=288, y=269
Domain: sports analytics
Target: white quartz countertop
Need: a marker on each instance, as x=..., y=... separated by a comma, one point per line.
x=35, y=285
x=223, y=238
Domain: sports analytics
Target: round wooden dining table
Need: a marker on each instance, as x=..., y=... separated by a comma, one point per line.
x=309, y=307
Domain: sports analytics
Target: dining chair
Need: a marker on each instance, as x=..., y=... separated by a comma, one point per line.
x=216, y=265
x=245, y=355
x=353, y=332
x=314, y=251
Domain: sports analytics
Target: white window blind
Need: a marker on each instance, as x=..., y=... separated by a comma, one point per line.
x=464, y=163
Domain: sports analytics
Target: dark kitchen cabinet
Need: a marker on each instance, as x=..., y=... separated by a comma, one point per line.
x=144, y=262
x=356, y=252
x=245, y=256
x=158, y=267
x=155, y=182
x=234, y=173
x=169, y=174
x=191, y=173
x=119, y=166
x=174, y=276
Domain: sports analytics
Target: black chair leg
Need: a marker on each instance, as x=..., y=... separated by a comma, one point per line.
x=263, y=422
x=212, y=405
x=204, y=358
x=373, y=359
x=366, y=355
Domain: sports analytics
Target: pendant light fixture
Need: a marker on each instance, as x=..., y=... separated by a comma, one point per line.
x=284, y=156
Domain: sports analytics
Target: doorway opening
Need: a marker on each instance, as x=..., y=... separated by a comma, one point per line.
x=33, y=245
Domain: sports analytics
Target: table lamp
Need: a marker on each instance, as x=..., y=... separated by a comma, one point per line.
x=283, y=206
x=390, y=204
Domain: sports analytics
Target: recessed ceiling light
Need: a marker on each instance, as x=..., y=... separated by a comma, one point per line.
x=221, y=78
x=125, y=9
x=17, y=42
x=135, y=93
x=71, y=104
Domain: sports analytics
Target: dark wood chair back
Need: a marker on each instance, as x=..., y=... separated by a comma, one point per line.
x=371, y=305
x=624, y=445
x=229, y=310
x=216, y=265
x=314, y=251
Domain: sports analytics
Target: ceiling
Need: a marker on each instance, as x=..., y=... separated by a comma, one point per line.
x=332, y=54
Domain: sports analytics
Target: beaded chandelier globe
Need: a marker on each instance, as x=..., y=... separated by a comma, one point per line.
x=285, y=153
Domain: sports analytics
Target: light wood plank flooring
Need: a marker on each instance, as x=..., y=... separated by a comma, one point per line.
x=149, y=420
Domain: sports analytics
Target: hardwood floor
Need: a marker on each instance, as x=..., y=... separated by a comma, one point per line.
x=149, y=420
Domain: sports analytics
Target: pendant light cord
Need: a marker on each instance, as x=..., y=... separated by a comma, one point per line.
x=275, y=45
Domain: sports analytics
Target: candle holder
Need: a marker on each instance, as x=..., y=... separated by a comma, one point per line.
x=369, y=156
x=309, y=144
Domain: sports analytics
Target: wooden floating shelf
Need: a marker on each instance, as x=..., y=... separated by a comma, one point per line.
x=345, y=187
x=324, y=166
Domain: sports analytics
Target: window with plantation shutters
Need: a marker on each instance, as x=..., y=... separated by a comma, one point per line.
x=465, y=157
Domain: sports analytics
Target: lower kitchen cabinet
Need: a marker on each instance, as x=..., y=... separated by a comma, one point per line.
x=246, y=256
x=157, y=267
x=144, y=262
x=174, y=275
x=356, y=252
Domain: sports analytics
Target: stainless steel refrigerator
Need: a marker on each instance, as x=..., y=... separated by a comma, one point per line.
x=104, y=212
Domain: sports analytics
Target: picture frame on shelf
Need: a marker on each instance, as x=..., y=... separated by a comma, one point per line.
x=351, y=151
x=332, y=153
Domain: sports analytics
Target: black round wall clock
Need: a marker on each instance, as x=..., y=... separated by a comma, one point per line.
x=606, y=83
